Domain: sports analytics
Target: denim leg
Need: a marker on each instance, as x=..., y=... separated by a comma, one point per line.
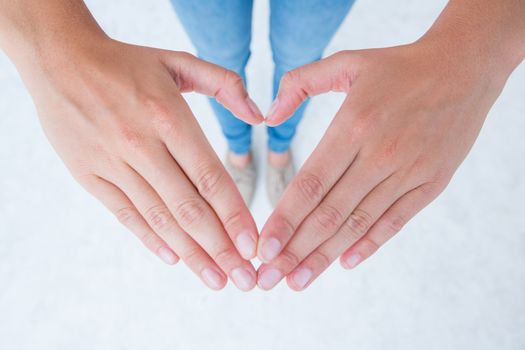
x=300, y=30
x=220, y=30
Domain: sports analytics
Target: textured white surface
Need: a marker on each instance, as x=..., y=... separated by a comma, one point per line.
x=72, y=278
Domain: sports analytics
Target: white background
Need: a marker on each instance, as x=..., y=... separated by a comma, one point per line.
x=72, y=278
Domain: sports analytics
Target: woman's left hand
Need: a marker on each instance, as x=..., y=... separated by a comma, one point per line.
x=410, y=117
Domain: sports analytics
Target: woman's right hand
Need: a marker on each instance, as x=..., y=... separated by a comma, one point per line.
x=115, y=115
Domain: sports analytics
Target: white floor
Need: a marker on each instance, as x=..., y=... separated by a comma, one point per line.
x=72, y=278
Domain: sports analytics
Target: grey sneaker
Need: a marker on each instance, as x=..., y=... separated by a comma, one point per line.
x=245, y=179
x=277, y=179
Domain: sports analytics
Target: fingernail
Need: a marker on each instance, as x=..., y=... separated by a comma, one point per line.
x=273, y=108
x=212, y=278
x=253, y=107
x=269, y=278
x=302, y=276
x=271, y=249
x=167, y=256
x=246, y=245
x=353, y=260
x=243, y=279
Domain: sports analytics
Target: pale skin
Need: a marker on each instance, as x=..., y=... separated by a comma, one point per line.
x=115, y=115
x=410, y=117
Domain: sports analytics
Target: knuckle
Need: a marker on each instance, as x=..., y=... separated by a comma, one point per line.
x=328, y=217
x=358, y=223
x=155, y=106
x=368, y=246
x=225, y=254
x=381, y=163
x=192, y=256
x=150, y=241
x=396, y=223
x=366, y=121
x=339, y=54
x=126, y=215
x=234, y=219
x=361, y=127
x=289, y=78
x=358, y=59
x=159, y=218
x=288, y=259
x=185, y=55
x=232, y=81
x=131, y=138
x=208, y=182
x=292, y=81
x=169, y=129
x=311, y=187
x=320, y=259
x=190, y=211
x=419, y=168
x=283, y=225
x=390, y=150
x=161, y=116
x=179, y=71
x=292, y=77
x=433, y=177
x=345, y=55
x=432, y=189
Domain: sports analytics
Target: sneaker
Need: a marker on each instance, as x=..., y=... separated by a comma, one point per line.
x=245, y=179
x=277, y=179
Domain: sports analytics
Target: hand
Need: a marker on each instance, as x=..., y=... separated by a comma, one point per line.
x=410, y=117
x=115, y=115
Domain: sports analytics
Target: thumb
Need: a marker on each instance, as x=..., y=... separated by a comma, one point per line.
x=193, y=74
x=329, y=74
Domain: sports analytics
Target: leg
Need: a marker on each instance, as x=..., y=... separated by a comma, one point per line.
x=221, y=32
x=299, y=33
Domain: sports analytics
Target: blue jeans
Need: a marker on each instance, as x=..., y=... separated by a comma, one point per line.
x=299, y=32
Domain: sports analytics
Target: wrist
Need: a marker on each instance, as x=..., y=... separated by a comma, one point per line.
x=34, y=35
x=482, y=34
x=472, y=53
x=52, y=62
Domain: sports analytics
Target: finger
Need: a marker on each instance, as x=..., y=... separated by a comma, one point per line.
x=120, y=205
x=333, y=73
x=325, y=220
x=390, y=223
x=192, y=213
x=356, y=226
x=158, y=217
x=317, y=176
x=193, y=74
x=208, y=175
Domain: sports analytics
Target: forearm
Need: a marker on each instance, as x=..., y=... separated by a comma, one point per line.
x=489, y=32
x=29, y=29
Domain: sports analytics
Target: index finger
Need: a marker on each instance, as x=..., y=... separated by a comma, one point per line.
x=318, y=175
x=190, y=211
x=201, y=165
